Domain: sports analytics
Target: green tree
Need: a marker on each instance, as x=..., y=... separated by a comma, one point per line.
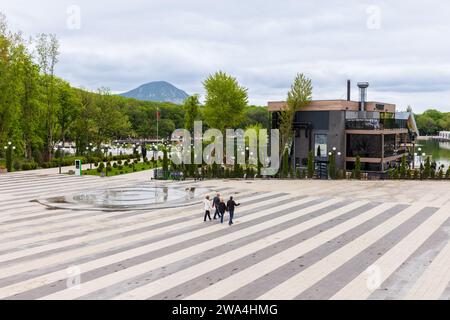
x=427, y=169
x=191, y=108
x=110, y=122
x=68, y=108
x=403, y=167
x=285, y=166
x=225, y=101
x=299, y=96
x=357, y=169
x=48, y=50
x=9, y=85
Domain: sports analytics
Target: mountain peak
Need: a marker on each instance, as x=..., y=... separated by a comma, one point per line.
x=160, y=91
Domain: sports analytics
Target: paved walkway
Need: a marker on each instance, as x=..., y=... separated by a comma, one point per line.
x=290, y=240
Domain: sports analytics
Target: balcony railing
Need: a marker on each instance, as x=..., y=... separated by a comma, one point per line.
x=375, y=124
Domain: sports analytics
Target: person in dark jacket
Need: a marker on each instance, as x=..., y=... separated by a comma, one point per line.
x=222, y=209
x=215, y=205
x=231, y=204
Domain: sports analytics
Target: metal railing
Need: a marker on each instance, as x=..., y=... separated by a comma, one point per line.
x=375, y=124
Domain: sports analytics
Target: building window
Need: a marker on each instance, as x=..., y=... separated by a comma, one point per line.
x=390, y=148
x=364, y=145
x=320, y=145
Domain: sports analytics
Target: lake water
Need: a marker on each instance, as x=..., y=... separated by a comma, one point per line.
x=440, y=151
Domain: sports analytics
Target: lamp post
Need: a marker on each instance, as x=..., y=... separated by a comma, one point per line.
x=58, y=148
x=89, y=149
x=332, y=161
x=9, y=149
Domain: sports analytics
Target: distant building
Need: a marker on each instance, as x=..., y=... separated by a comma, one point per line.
x=444, y=135
x=372, y=130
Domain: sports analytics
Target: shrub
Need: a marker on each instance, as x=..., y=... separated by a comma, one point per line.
x=25, y=166
x=395, y=173
x=99, y=169
x=16, y=165
x=427, y=169
x=120, y=167
x=356, y=173
x=416, y=174
x=45, y=165
x=37, y=156
x=403, y=167
x=408, y=173
x=119, y=162
x=29, y=165
x=115, y=165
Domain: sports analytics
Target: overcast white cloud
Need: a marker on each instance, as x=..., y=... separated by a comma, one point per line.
x=122, y=44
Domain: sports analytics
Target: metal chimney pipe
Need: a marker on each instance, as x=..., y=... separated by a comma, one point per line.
x=348, y=90
x=363, y=95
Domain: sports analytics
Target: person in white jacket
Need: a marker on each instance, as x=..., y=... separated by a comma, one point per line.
x=207, y=207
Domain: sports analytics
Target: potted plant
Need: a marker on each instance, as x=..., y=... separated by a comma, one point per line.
x=3, y=169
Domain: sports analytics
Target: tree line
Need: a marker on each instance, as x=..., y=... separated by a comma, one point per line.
x=39, y=110
x=432, y=121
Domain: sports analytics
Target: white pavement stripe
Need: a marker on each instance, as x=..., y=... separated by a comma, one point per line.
x=106, y=233
x=93, y=220
x=392, y=259
x=97, y=263
x=141, y=268
x=244, y=277
x=93, y=249
x=436, y=277
x=192, y=272
x=297, y=284
x=92, y=227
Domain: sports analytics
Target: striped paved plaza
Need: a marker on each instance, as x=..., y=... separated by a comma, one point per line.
x=290, y=240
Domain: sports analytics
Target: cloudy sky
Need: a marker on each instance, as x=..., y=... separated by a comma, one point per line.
x=400, y=47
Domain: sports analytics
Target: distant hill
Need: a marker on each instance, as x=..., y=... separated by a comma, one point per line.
x=160, y=91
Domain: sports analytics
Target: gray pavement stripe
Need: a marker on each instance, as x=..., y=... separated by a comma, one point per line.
x=116, y=218
x=158, y=253
x=188, y=288
x=399, y=283
x=279, y=275
x=333, y=282
x=56, y=212
x=153, y=275
x=21, y=277
x=137, y=230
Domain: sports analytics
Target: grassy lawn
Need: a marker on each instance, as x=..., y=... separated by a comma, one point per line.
x=116, y=171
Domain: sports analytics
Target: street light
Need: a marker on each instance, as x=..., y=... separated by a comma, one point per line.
x=9, y=153
x=58, y=148
x=338, y=153
x=89, y=149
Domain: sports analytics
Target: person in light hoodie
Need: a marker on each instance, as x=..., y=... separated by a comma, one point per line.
x=207, y=207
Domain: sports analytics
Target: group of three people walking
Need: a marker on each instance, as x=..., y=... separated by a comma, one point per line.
x=220, y=207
